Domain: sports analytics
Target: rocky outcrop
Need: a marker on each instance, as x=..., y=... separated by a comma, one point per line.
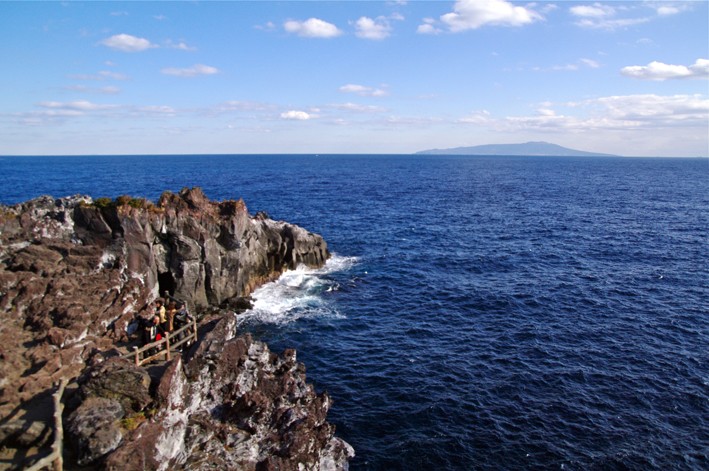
x=74, y=273
x=234, y=405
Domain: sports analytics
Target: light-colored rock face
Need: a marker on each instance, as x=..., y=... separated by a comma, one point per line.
x=235, y=405
x=73, y=275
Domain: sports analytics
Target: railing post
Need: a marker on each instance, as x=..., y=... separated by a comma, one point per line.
x=137, y=361
x=167, y=346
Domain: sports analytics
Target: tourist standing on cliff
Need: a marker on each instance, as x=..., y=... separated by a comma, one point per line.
x=160, y=312
x=170, y=314
x=181, y=319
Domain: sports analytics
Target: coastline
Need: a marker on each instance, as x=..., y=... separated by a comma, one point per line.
x=75, y=271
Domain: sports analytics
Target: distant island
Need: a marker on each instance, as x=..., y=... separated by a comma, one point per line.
x=529, y=148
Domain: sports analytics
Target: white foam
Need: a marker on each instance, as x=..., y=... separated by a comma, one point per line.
x=297, y=294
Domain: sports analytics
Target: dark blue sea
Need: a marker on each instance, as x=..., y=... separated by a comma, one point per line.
x=479, y=313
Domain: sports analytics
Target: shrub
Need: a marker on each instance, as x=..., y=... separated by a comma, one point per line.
x=137, y=203
x=102, y=203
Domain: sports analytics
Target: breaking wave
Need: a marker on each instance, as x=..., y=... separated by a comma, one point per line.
x=297, y=294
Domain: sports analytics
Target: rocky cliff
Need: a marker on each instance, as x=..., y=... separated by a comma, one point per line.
x=73, y=274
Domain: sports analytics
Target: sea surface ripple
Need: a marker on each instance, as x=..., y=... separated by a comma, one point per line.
x=479, y=313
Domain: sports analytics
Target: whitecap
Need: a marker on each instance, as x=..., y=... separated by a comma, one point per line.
x=297, y=294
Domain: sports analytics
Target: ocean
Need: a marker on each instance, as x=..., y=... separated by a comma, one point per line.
x=479, y=312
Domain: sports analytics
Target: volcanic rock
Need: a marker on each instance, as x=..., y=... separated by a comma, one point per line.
x=75, y=273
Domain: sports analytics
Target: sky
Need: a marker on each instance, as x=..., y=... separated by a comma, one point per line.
x=244, y=77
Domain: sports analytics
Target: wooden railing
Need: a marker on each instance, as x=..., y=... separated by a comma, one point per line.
x=191, y=329
x=55, y=458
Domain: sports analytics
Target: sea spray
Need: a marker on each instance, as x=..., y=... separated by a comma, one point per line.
x=297, y=294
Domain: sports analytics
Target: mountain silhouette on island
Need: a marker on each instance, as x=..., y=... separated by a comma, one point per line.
x=529, y=148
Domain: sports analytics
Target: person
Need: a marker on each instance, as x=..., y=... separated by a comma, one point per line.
x=182, y=318
x=170, y=314
x=152, y=332
x=160, y=312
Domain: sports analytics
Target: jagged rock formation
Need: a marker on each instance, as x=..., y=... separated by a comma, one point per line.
x=74, y=272
x=234, y=406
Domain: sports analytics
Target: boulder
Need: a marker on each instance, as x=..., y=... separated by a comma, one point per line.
x=93, y=429
x=118, y=380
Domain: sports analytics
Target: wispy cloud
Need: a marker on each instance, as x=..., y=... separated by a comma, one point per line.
x=85, y=77
x=77, y=105
x=599, y=16
x=182, y=46
x=241, y=106
x=312, y=28
x=102, y=90
x=659, y=71
x=269, y=26
x=565, y=67
x=357, y=108
x=194, y=71
x=630, y=112
x=364, y=91
x=127, y=43
x=114, y=75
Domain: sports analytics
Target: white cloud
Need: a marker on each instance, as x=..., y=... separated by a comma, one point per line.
x=664, y=11
x=599, y=16
x=650, y=110
x=428, y=29
x=357, y=108
x=298, y=115
x=610, y=24
x=659, y=71
x=102, y=90
x=127, y=43
x=363, y=91
x=624, y=113
x=312, y=28
x=77, y=105
x=566, y=67
x=368, y=28
x=159, y=17
x=156, y=110
x=472, y=14
x=194, y=71
x=181, y=46
x=269, y=26
x=590, y=63
x=114, y=75
x=595, y=11
x=109, y=63
x=416, y=122
x=235, y=105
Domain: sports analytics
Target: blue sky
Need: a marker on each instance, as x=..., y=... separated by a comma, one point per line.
x=628, y=78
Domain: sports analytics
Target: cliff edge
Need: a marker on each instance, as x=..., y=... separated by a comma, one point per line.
x=74, y=272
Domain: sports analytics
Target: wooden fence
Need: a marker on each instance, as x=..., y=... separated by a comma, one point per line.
x=164, y=345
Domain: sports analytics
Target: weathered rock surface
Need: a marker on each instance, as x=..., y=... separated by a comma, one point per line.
x=73, y=275
x=93, y=429
x=235, y=405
